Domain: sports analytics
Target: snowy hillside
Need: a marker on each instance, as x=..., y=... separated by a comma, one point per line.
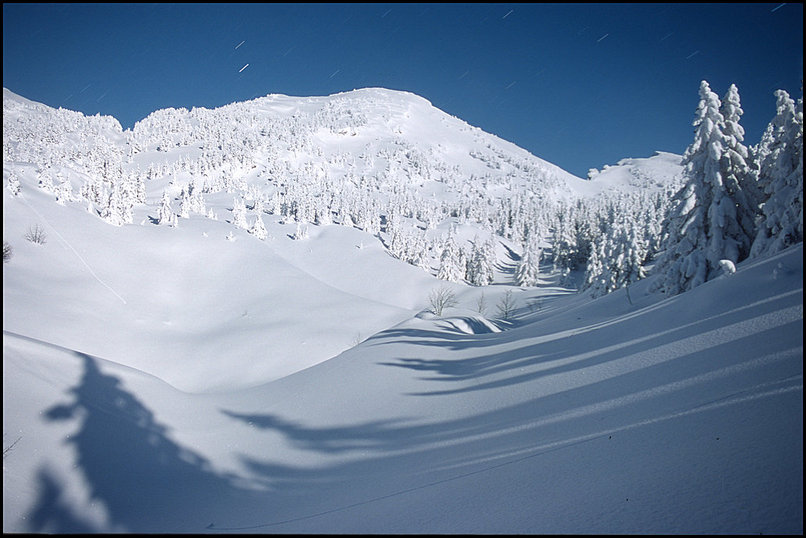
x=224, y=321
x=656, y=172
x=398, y=175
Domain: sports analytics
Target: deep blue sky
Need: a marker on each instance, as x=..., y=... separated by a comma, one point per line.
x=579, y=85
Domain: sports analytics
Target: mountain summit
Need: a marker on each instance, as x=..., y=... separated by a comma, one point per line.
x=251, y=190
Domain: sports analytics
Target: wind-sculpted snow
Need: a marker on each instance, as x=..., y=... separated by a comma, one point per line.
x=357, y=314
x=680, y=415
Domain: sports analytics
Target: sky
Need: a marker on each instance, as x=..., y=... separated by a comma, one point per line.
x=579, y=85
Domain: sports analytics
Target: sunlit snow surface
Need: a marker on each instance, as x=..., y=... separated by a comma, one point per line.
x=160, y=379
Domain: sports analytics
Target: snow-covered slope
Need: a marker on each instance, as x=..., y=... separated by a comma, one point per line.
x=175, y=301
x=662, y=416
x=657, y=172
x=204, y=378
x=183, y=296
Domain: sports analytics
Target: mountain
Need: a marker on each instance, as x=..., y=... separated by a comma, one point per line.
x=367, y=159
x=199, y=378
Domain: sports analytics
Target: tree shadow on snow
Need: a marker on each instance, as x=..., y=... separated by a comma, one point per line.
x=52, y=514
x=145, y=481
x=375, y=434
x=148, y=483
x=508, y=267
x=523, y=363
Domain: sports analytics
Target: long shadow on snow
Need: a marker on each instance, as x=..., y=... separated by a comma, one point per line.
x=51, y=513
x=588, y=349
x=399, y=458
x=627, y=388
x=146, y=481
x=370, y=435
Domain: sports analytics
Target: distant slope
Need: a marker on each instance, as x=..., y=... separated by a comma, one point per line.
x=175, y=301
x=660, y=171
x=395, y=172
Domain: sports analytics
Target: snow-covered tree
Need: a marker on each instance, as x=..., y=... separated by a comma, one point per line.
x=452, y=261
x=46, y=181
x=258, y=229
x=635, y=253
x=165, y=213
x=703, y=226
x=64, y=192
x=738, y=175
x=595, y=280
x=528, y=268
x=239, y=213
x=94, y=190
x=13, y=184
x=184, y=203
x=118, y=210
x=616, y=259
x=781, y=175
x=479, y=266
x=302, y=231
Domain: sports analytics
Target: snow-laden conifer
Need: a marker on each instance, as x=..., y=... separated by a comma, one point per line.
x=703, y=226
x=528, y=269
x=46, y=181
x=258, y=229
x=301, y=231
x=118, y=210
x=738, y=175
x=239, y=213
x=184, y=203
x=13, y=184
x=781, y=176
x=452, y=261
x=64, y=192
x=165, y=213
x=479, y=266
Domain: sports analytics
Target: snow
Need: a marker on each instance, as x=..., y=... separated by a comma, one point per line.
x=161, y=379
x=653, y=173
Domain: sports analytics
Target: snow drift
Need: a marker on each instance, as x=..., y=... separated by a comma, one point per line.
x=596, y=416
x=199, y=379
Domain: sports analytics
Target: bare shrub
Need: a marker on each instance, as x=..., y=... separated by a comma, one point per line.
x=36, y=234
x=506, y=306
x=481, y=304
x=7, y=449
x=7, y=251
x=440, y=299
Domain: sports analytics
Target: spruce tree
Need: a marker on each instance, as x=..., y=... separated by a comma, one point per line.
x=594, y=272
x=258, y=229
x=739, y=177
x=704, y=224
x=781, y=175
x=528, y=268
x=165, y=214
x=239, y=214
x=118, y=210
x=479, y=268
x=451, y=261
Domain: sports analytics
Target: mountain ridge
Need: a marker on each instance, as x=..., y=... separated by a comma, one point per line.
x=291, y=166
x=213, y=327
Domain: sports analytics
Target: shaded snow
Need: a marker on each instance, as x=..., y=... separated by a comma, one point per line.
x=600, y=417
x=162, y=379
